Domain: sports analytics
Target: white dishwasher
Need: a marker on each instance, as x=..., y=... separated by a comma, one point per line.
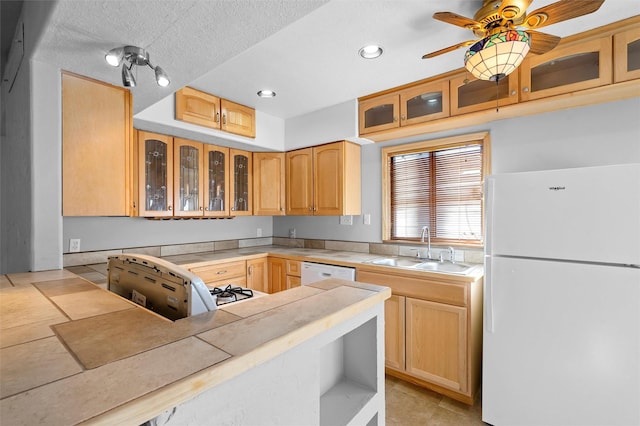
x=313, y=272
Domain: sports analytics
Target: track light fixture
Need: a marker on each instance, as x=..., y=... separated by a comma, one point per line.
x=129, y=56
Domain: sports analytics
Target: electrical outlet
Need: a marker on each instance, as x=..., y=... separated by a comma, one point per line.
x=346, y=220
x=259, y=232
x=366, y=219
x=292, y=232
x=74, y=245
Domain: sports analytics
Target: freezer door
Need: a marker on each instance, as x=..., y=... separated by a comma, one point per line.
x=587, y=214
x=563, y=344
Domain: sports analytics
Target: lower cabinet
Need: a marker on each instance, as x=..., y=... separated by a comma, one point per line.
x=433, y=331
x=223, y=274
x=277, y=274
x=257, y=276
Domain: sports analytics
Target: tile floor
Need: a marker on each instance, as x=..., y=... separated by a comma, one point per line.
x=410, y=405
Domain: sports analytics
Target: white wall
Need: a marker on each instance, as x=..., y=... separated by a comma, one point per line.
x=594, y=135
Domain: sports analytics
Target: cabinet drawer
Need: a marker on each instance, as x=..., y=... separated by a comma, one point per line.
x=293, y=268
x=220, y=272
x=454, y=294
x=234, y=281
x=293, y=282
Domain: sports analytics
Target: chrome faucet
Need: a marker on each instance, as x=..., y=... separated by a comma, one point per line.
x=426, y=229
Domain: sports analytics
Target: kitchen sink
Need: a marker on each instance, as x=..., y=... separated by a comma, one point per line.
x=428, y=265
x=396, y=261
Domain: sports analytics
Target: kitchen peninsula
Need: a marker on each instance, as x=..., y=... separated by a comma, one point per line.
x=73, y=353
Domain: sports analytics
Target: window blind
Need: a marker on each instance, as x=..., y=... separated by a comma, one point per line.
x=441, y=189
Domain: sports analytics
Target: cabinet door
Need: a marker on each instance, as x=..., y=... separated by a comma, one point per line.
x=437, y=343
x=187, y=173
x=574, y=67
x=626, y=57
x=277, y=275
x=238, y=119
x=194, y=106
x=293, y=281
x=257, y=275
x=379, y=113
x=469, y=94
x=96, y=148
x=216, y=181
x=299, y=182
x=240, y=182
x=268, y=183
x=328, y=181
x=424, y=103
x=155, y=174
x=394, y=329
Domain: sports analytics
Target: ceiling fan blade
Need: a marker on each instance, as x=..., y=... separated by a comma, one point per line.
x=560, y=11
x=458, y=20
x=449, y=49
x=542, y=42
x=513, y=9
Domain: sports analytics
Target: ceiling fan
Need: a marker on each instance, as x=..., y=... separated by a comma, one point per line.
x=506, y=23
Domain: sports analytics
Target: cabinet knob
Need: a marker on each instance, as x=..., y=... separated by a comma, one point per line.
x=169, y=208
x=513, y=92
x=525, y=89
x=402, y=117
x=201, y=208
x=395, y=118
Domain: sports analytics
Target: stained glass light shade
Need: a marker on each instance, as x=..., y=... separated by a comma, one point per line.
x=498, y=55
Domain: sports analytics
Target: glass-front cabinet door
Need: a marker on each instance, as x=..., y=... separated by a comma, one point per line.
x=425, y=102
x=469, y=94
x=626, y=57
x=155, y=171
x=216, y=181
x=187, y=172
x=379, y=113
x=577, y=66
x=241, y=182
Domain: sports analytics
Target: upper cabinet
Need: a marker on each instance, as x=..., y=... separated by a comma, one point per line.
x=567, y=68
x=405, y=107
x=324, y=180
x=469, y=94
x=96, y=148
x=240, y=180
x=204, y=109
x=268, y=183
x=626, y=46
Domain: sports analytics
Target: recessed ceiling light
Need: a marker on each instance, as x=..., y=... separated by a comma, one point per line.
x=371, y=51
x=266, y=93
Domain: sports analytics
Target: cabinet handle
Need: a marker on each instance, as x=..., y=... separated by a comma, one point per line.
x=218, y=117
x=224, y=118
x=250, y=269
x=525, y=89
x=221, y=272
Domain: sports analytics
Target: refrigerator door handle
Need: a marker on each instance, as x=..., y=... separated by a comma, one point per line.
x=488, y=295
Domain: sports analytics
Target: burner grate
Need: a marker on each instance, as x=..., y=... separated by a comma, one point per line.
x=230, y=294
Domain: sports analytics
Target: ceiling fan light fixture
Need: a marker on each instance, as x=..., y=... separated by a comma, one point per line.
x=370, y=51
x=498, y=55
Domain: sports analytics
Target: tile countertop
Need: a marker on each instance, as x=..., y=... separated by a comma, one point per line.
x=73, y=352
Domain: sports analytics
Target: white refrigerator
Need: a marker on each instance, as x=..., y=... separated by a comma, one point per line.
x=561, y=342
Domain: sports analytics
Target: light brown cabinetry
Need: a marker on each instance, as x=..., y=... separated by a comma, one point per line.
x=223, y=274
x=293, y=270
x=240, y=177
x=96, y=148
x=626, y=48
x=155, y=175
x=268, y=183
x=469, y=94
x=433, y=330
x=180, y=178
x=257, y=274
x=277, y=271
x=567, y=68
x=324, y=180
x=204, y=109
x=409, y=106
x=394, y=337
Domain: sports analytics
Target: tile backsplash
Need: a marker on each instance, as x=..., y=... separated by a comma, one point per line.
x=382, y=249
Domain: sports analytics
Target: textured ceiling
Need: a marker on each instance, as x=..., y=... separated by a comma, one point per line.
x=305, y=50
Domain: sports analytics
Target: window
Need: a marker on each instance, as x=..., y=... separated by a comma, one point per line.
x=436, y=184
